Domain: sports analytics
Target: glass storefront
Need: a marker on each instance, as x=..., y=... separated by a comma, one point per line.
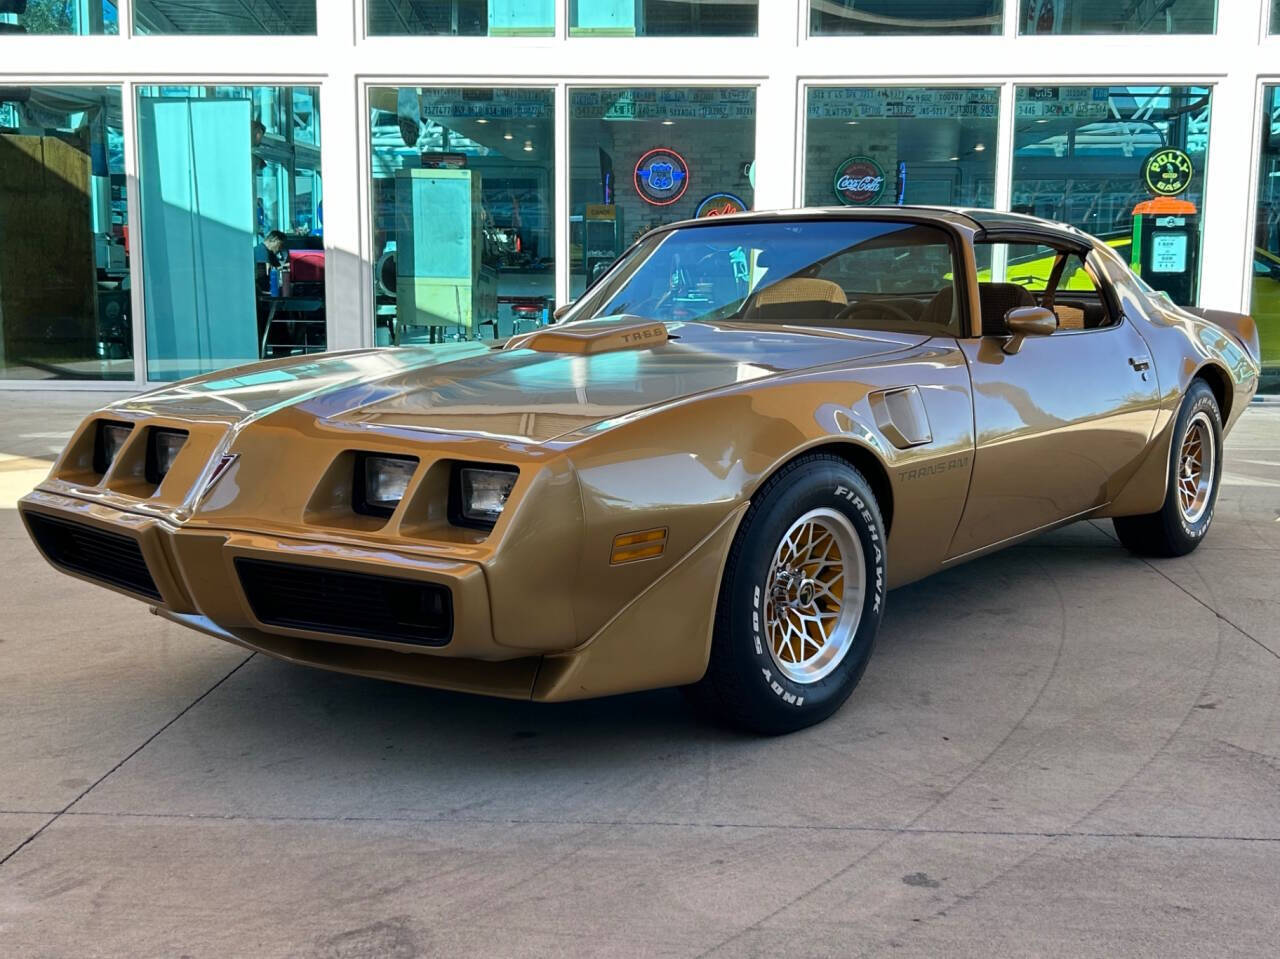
x=463, y=18
x=1112, y=16
x=890, y=17
x=893, y=145
x=463, y=209
x=497, y=194
x=58, y=17
x=663, y=18
x=640, y=157
x=1125, y=163
x=288, y=17
x=64, y=235
x=232, y=225
x=1266, y=253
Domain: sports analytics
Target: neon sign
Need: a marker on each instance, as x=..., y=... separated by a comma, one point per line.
x=859, y=181
x=719, y=204
x=661, y=176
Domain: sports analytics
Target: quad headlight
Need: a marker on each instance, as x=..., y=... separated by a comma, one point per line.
x=381, y=482
x=480, y=493
x=162, y=449
x=108, y=443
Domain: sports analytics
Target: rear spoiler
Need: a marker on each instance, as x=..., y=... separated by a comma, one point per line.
x=1239, y=325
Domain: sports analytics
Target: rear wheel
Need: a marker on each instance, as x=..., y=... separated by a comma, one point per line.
x=1195, y=469
x=800, y=602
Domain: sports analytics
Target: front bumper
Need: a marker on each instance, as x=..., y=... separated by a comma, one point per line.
x=196, y=578
x=660, y=638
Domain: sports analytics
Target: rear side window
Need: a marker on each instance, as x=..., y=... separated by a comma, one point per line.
x=1056, y=279
x=1030, y=266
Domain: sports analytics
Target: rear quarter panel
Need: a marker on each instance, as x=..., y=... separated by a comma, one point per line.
x=1182, y=347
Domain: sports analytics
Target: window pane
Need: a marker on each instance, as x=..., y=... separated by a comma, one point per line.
x=1266, y=255
x=1111, y=16
x=64, y=238
x=464, y=18
x=644, y=156
x=1030, y=265
x=290, y=17
x=58, y=16
x=232, y=226
x=889, y=17
x=820, y=272
x=886, y=145
x=1119, y=162
x=663, y=18
x=463, y=211
x=1275, y=16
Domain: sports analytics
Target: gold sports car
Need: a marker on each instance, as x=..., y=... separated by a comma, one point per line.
x=749, y=429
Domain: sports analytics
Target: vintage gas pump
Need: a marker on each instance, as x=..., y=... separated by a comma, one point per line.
x=1166, y=228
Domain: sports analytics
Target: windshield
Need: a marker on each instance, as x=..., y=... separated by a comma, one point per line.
x=837, y=273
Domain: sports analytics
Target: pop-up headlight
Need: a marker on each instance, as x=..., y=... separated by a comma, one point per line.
x=381, y=482
x=110, y=440
x=481, y=493
x=162, y=450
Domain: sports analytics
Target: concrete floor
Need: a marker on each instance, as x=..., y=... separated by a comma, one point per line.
x=1059, y=750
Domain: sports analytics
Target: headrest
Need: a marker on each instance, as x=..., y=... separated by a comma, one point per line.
x=996, y=300
x=940, y=311
x=801, y=289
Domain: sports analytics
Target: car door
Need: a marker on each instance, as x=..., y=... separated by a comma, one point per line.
x=1059, y=426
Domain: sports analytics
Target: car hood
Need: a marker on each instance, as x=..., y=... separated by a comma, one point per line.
x=518, y=393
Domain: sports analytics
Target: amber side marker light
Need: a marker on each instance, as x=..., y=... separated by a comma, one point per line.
x=644, y=544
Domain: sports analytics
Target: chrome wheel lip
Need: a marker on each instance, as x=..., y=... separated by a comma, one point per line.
x=820, y=663
x=1196, y=468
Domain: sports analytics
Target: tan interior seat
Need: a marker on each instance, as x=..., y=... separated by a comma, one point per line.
x=997, y=299
x=797, y=298
x=1069, y=317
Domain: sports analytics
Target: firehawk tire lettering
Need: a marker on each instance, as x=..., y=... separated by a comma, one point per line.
x=746, y=684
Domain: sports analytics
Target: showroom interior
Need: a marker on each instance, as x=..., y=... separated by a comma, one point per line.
x=187, y=188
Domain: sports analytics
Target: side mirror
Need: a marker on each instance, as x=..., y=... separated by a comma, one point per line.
x=560, y=311
x=1024, y=321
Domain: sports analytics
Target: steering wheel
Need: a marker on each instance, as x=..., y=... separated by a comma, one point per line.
x=875, y=306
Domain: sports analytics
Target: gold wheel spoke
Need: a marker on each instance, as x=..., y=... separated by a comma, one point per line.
x=814, y=593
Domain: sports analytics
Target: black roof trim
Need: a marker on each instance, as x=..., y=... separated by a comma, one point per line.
x=1018, y=227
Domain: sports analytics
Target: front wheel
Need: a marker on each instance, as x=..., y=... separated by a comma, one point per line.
x=800, y=602
x=1195, y=470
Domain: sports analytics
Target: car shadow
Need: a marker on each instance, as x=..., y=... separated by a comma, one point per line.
x=421, y=715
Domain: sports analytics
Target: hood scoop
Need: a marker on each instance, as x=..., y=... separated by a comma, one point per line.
x=588, y=339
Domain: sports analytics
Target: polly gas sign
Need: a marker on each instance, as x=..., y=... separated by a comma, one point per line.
x=859, y=181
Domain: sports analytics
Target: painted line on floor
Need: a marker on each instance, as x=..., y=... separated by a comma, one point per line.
x=19, y=476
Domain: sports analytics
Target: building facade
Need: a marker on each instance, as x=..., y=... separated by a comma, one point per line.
x=190, y=187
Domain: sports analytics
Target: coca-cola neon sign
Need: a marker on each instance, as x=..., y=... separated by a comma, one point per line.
x=859, y=181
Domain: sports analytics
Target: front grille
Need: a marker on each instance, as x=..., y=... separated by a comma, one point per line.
x=106, y=557
x=351, y=604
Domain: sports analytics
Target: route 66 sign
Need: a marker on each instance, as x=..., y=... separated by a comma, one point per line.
x=1167, y=172
x=661, y=176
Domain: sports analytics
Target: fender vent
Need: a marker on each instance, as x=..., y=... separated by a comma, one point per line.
x=901, y=416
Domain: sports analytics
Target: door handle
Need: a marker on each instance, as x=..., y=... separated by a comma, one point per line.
x=1140, y=364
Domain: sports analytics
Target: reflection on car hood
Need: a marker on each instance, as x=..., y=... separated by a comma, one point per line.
x=520, y=395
